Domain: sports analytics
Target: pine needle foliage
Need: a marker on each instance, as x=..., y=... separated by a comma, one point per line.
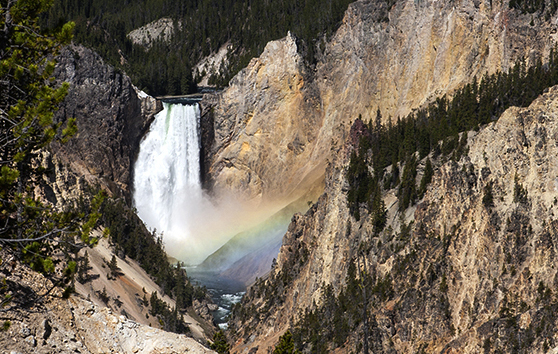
x=32, y=230
x=440, y=129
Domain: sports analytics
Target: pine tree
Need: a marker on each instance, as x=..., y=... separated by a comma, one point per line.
x=113, y=267
x=83, y=268
x=426, y=178
x=104, y=296
x=285, y=345
x=488, y=196
x=28, y=100
x=407, y=188
x=220, y=344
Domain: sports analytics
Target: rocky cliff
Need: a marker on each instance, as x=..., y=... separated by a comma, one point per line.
x=469, y=269
x=111, y=120
x=454, y=273
x=160, y=30
x=48, y=323
x=265, y=126
x=276, y=122
x=282, y=125
x=112, y=116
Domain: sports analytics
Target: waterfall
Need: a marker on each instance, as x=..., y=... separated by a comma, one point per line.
x=167, y=190
x=167, y=174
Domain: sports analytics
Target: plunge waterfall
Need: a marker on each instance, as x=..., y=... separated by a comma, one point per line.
x=169, y=199
x=167, y=184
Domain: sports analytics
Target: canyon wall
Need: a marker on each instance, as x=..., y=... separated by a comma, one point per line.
x=465, y=277
x=276, y=123
x=461, y=269
x=111, y=120
x=265, y=124
x=459, y=272
x=112, y=117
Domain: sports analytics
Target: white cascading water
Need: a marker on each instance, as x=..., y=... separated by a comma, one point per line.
x=167, y=175
x=167, y=189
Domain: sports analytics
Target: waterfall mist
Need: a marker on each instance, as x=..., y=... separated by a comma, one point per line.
x=167, y=188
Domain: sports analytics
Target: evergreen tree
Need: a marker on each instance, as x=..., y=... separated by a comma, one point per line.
x=83, y=268
x=103, y=295
x=285, y=345
x=426, y=177
x=488, y=197
x=113, y=267
x=220, y=344
x=407, y=187
x=28, y=100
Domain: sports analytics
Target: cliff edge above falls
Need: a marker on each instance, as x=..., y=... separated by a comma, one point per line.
x=276, y=124
x=459, y=272
x=265, y=124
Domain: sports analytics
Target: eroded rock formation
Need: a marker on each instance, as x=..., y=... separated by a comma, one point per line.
x=160, y=30
x=47, y=323
x=277, y=122
x=461, y=272
x=265, y=125
x=111, y=120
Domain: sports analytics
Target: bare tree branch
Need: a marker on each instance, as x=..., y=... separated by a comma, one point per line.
x=23, y=240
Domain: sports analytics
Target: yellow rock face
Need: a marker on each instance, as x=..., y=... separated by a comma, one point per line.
x=393, y=59
x=266, y=123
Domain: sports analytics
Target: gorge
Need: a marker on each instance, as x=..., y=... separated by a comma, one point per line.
x=272, y=182
x=169, y=198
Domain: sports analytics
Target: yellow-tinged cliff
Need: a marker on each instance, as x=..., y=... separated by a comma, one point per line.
x=453, y=274
x=461, y=273
x=276, y=124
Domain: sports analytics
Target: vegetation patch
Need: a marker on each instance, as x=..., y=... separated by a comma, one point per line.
x=438, y=130
x=201, y=28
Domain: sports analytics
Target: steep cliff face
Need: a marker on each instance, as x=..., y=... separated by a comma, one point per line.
x=111, y=120
x=268, y=114
x=469, y=269
x=397, y=59
x=277, y=121
x=316, y=250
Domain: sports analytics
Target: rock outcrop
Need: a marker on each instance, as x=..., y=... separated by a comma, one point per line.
x=111, y=120
x=51, y=324
x=214, y=64
x=276, y=123
x=265, y=124
x=459, y=272
x=160, y=30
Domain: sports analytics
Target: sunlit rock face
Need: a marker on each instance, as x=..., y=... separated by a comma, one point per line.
x=265, y=124
x=278, y=121
x=393, y=59
x=162, y=30
x=466, y=270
